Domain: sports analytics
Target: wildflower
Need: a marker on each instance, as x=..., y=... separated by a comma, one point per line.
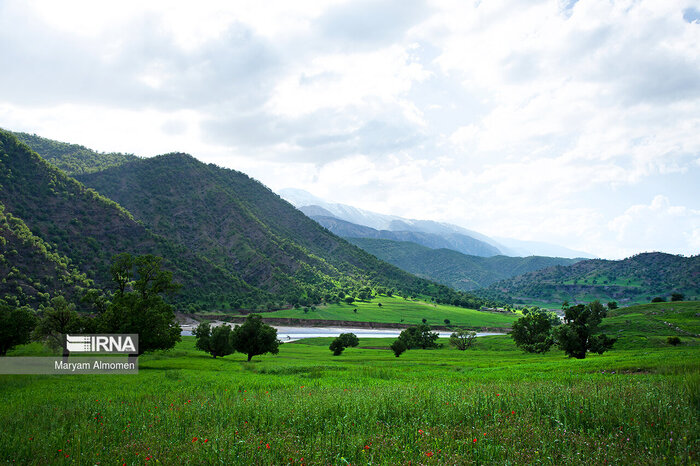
x=474, y=440
x=428, y=454
x=366, y=447
x=206, y=440
x=194, y=439
x=420, y=431
x=512, y=412
x=267, y=445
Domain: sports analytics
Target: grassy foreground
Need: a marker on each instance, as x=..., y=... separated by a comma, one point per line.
x=492, y=404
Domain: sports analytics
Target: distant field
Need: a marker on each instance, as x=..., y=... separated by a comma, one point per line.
x=399, y=310
x=489, y=405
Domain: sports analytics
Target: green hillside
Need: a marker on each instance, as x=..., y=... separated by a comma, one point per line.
x=31, y=269
x=452, y=268
x=636, y=279
x=229, y=240
x=242, y=226
x=84, y=230
x=72, y=158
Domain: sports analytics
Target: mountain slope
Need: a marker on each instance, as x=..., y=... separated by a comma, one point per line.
x=243, y=227
x=77, y=223
x=452, y=268
x=72, y=158
x=635, y=279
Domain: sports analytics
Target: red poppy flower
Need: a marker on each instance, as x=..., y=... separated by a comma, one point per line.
x=194, y=439
x=428, y=454
x=474, y=440
x=267, y=445
x=206, y=440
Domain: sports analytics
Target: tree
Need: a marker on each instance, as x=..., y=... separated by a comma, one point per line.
x=673, y=340
x=16, y=325
x=255, y=337
x=344, y=340
x=533, y=332
x=398, y=347
x=57, y=320
x=658, y=299
x=462, y=339
x=677, y=297
x=138, y=305
x=576, y=336
x=216, y=341
x=447, y=321
x=419, y=336
x=612, y=305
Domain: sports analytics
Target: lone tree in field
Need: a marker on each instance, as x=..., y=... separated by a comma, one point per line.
x=677, y=297
x=344, y=340
x=419, y=336
x=57, y=320
x=533, y=332
x=16, y=325
x=216, y=341
x=576, y=337
x=255, y=337
x=463, y=339
x=398, y=347
x=138, y=305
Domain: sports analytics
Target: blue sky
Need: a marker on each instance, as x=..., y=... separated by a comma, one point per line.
x=571, y=122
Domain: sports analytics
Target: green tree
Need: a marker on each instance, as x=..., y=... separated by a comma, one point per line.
x=342, y=341
x=216, y=341
x=612, y=305
x=16, y=325
x=142, y=310
x=673, y=340
x=533, y=332
x=419, y=336
x=576, y=337
x=255, y=337
x=677, y=297
x=462, y=339
x=398, y=347
x=57, y=320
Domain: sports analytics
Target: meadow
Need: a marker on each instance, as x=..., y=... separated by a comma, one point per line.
x=492, y=404
x=396, y=309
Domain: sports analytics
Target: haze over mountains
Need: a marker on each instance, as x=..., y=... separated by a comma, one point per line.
x=425, y=232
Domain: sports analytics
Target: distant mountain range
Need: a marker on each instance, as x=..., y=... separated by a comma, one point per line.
x=460, y=271
x=424, y=232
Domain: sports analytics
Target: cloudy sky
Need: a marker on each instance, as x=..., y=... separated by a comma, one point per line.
x=572, y=122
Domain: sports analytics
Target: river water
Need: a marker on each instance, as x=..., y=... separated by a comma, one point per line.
x=297, y=333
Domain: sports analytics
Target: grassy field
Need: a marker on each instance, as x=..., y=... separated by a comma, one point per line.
x=399, y=310
x=492, y=404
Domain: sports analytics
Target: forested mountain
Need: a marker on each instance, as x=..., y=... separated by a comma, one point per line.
x=638, y=278
x=460, y=271
x=72, y=158
x=245, y=228
x=74, y=230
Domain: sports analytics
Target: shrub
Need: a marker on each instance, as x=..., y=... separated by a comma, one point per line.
x=674, y=340
x=398, y=347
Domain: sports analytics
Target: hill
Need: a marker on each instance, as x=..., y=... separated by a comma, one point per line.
x=62, y=227
x=73, y=158
x=457, y=270
x=636, y=279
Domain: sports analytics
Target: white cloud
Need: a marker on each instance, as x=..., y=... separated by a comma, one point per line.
x=542, y=121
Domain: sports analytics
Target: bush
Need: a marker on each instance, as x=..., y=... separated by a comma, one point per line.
x=658, y=299
x=398, y=347
x=674, y=340
x=344, y=340
x=419, y=336
x=677, y=297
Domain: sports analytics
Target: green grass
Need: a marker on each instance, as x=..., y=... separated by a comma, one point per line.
x=400, y=310
x=364, y=407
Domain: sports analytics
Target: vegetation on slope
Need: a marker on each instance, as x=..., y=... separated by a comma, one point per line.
x=88, y=229
x=243, y=227
x=636, y=279
x=72, y=158
x=452, y=268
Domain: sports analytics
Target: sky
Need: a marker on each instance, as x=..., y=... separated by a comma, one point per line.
x=565, y=121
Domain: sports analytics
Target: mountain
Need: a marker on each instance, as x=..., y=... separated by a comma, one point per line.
x=636, y=279
x=515, y=247
x=241, y=226
x=53, y=224
x=452, y=241
x=452, y=268
x=459, y=239
x=72, y=158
